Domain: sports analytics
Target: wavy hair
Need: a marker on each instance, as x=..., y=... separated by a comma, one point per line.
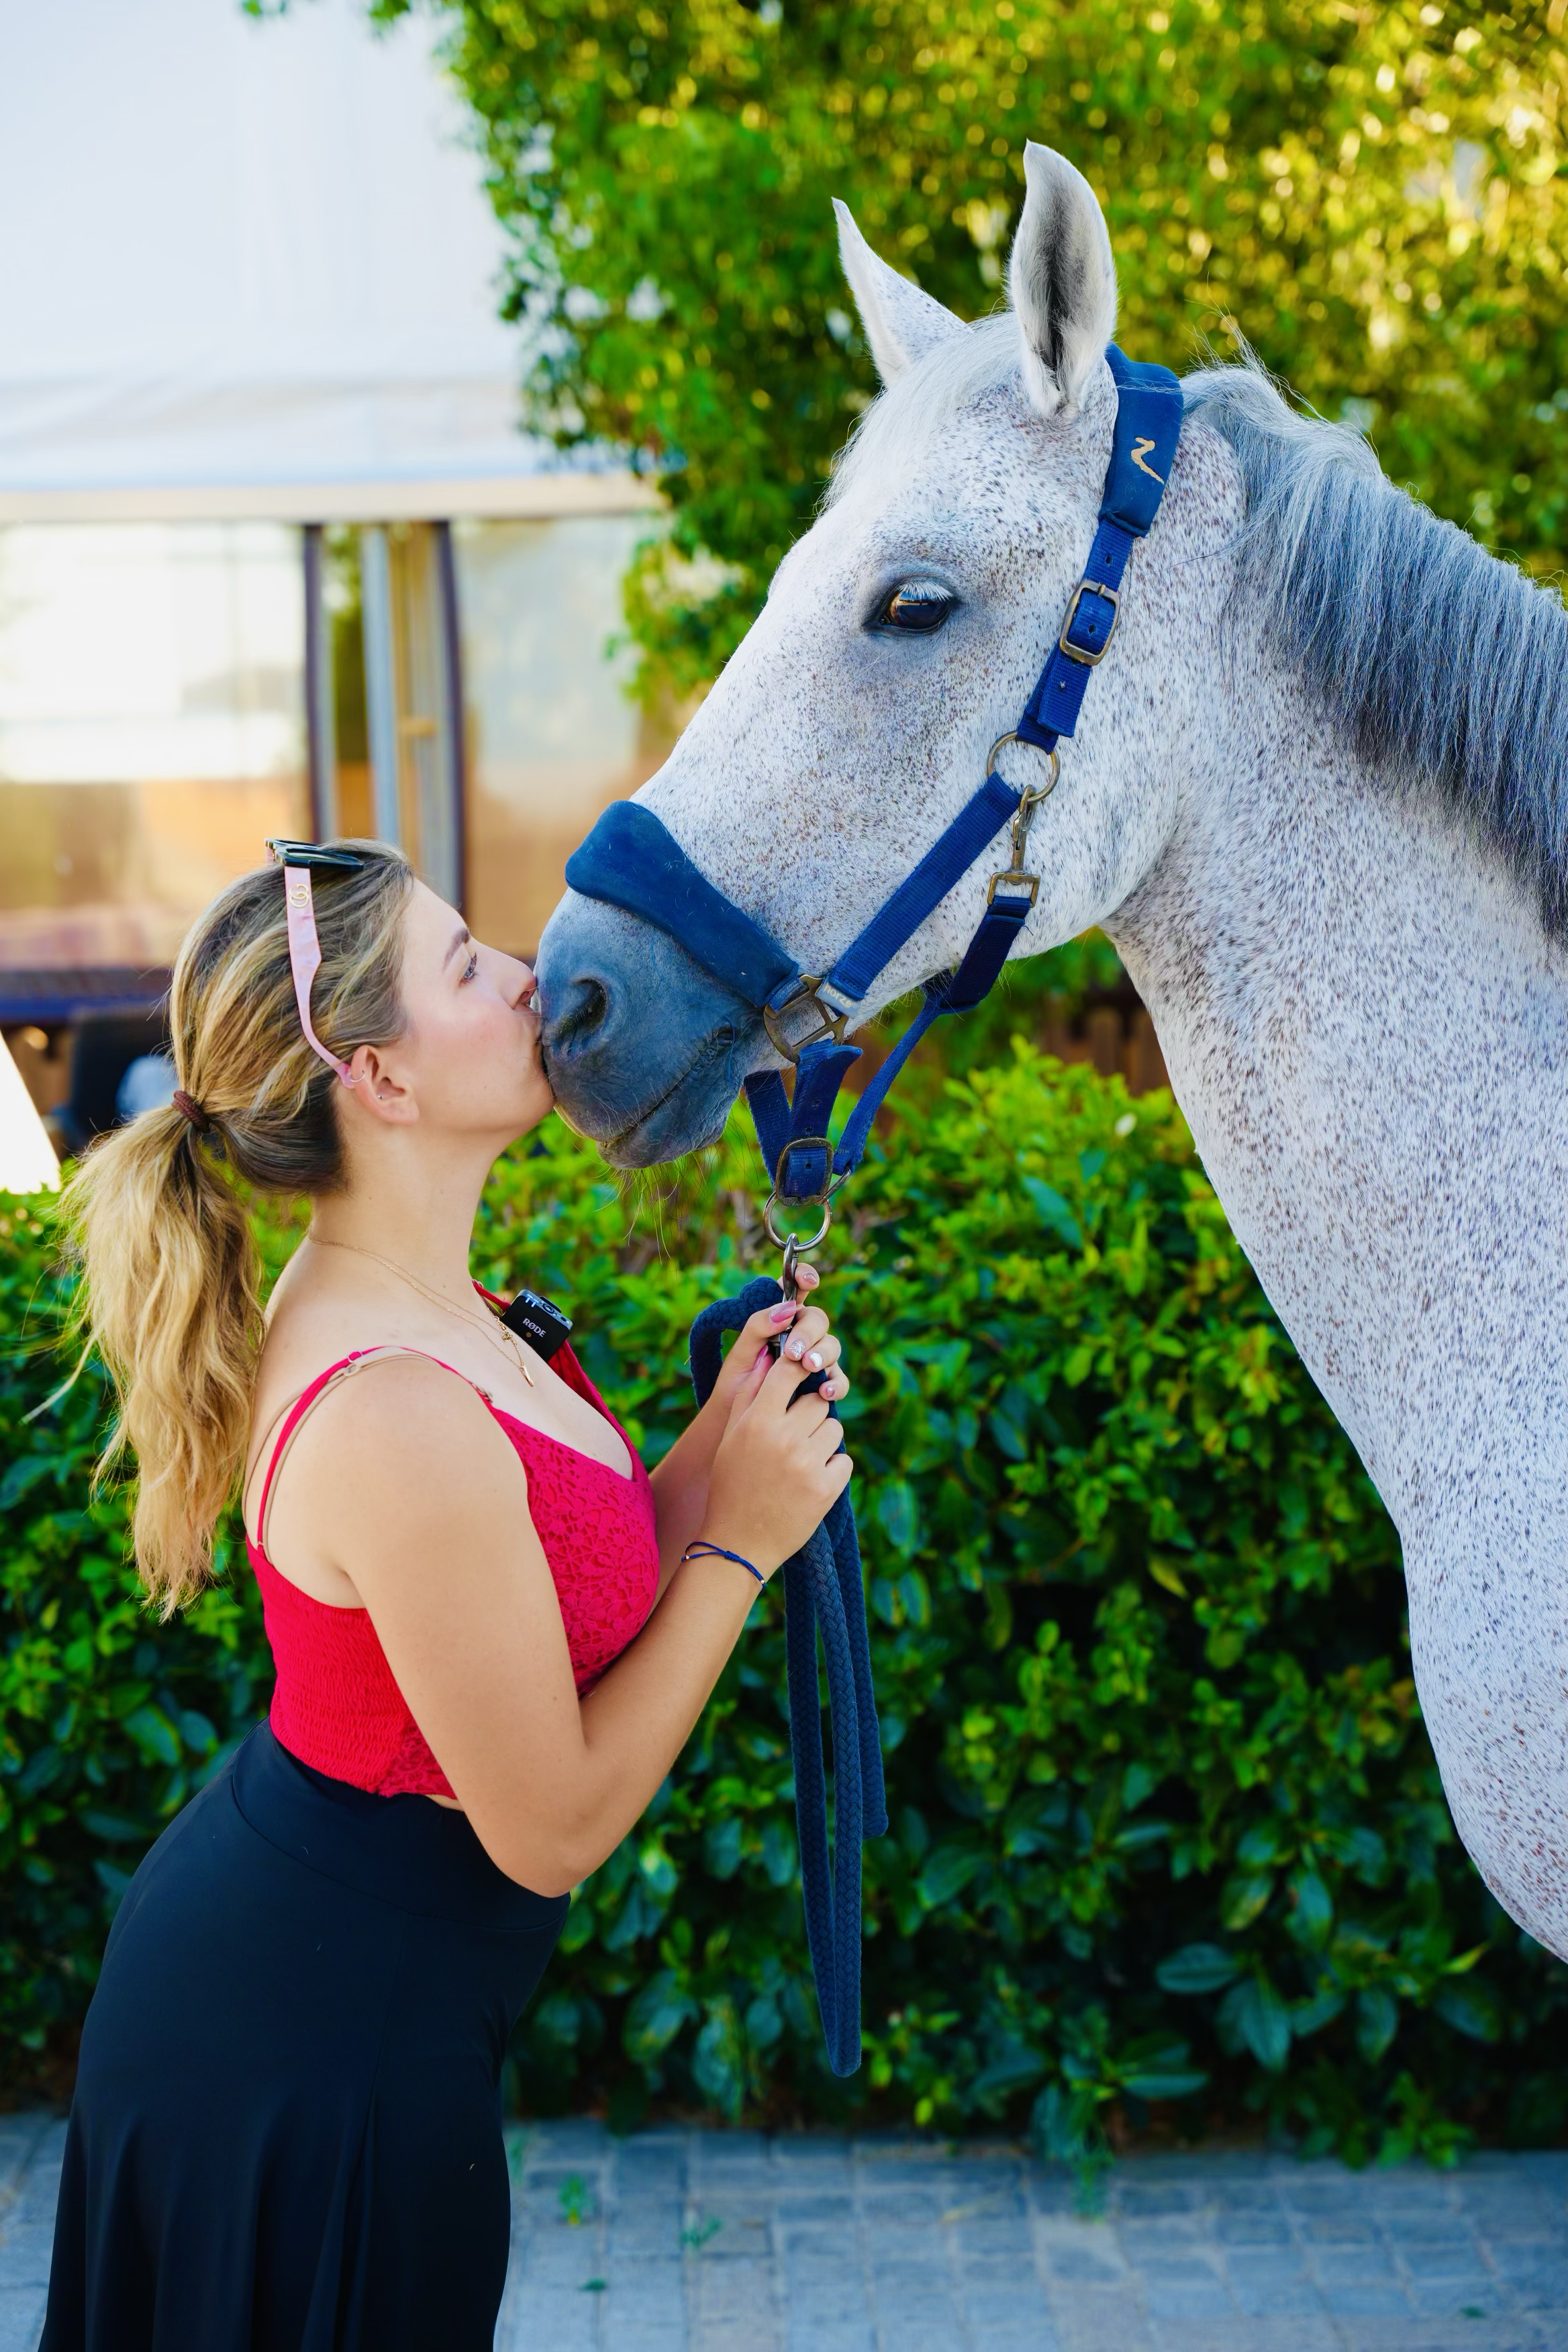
x=171, y=1287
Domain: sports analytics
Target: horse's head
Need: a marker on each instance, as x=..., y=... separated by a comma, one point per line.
x=901, y=637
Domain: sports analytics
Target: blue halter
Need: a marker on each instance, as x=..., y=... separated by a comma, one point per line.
x=629, y=860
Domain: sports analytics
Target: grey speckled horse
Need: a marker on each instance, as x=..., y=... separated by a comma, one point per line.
x=1319, y=798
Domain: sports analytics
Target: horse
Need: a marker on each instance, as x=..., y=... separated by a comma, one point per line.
x=1318, y=798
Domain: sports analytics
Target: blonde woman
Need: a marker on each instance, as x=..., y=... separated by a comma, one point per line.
x=493, y=1632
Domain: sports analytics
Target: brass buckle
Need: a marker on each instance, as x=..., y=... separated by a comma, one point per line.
x=1015, y=881
x=830, y=1183
x=1091, y=588
x=830, y=1025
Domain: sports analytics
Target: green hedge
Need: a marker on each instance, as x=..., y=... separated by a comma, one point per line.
x=1167, y=1837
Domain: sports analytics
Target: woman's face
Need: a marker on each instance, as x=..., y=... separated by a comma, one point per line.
x=468, y=1060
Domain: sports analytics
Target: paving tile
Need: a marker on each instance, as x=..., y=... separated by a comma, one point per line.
x=892, y=2243
x=21, y=2317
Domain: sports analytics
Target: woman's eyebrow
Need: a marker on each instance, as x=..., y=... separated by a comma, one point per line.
x=460, y=939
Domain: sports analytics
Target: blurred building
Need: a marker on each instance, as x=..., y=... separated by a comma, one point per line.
x=275, y=556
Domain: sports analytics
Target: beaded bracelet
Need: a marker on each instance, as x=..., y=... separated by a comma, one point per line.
x=701, y=1550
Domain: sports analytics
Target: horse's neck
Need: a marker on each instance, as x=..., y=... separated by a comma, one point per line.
x=1369, y=1037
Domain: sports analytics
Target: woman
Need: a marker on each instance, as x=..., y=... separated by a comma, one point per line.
x=494, y=1632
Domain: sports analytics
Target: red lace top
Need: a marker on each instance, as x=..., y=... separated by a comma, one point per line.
x=335, y=1705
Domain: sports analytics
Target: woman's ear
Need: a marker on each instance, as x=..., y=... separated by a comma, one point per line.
x=1062, y=280
x=378, y=1089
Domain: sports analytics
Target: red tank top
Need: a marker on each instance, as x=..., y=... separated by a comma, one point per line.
x=335, y=1705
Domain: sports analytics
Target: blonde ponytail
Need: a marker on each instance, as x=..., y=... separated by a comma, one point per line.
x=171, y=1289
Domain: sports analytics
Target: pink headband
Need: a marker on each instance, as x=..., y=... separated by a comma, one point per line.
x=305, y=958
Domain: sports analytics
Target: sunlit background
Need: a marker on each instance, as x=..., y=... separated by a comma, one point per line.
x=275, y=553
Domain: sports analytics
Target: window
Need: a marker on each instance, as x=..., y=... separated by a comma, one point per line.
x=552, y=737
x=152, y=729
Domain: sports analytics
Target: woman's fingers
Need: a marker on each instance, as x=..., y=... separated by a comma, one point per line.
x=806, y=1334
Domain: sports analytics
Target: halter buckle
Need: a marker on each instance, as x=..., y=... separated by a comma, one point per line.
x=830, y=1025
x=829, y=1185
x=1086, y=587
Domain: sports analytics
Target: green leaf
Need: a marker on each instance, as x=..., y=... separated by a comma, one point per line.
x=1244, y=1897
x=1053, y=1211
x=1013, y=2068
x=1197, y=1969
x=656, y=2013
x=717, y=2063
x=116, y=1828
x=721, y=1845
x=947, y=1873
x=898, y=1514
x=1179, y=2083
x=1470, y=2008
x=1377, y=2021
x=154, y=1735
x=1311, y=1916
x=23, y=1475
x=780, y=1858
x=1312, y=2016
x=1254, y=2011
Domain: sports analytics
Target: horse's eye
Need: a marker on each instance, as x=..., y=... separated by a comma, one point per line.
x=917, y=604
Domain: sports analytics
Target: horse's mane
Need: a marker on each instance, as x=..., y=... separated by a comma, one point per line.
x=1443, y=664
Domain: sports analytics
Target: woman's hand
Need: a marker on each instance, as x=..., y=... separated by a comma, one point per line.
x=779, y=1467
x=809, y=1343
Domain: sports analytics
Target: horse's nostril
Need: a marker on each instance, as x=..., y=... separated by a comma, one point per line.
x=590, y=1004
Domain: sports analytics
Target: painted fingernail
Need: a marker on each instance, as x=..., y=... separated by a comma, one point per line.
x=793, y=1347
x=814, y=1362
x=784, y=1313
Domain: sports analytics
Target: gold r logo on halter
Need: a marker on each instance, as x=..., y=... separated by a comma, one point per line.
x=1139, y=452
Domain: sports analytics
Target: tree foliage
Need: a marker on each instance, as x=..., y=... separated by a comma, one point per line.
x=1371, y=195
x=1167, y=1836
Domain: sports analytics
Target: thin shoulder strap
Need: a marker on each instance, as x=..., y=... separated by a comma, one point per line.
x=310, y=1397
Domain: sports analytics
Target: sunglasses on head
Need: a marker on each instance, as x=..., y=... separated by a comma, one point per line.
x=299, y=860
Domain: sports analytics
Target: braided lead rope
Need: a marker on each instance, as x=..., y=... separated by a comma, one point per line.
x=823, y=1591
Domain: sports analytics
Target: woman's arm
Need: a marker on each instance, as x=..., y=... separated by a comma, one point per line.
x=679, y=1482
x=431, y=1525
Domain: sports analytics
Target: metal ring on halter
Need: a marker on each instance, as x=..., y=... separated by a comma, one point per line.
x=1054, y=757
x=779, y=1239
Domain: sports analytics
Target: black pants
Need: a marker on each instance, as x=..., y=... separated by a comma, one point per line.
x=286, y=2135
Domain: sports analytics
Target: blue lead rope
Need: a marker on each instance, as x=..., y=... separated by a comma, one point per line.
x=823, y=1593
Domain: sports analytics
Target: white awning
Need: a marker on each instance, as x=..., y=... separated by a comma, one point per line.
x=249, y=269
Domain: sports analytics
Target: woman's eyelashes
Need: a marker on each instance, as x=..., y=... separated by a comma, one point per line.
x=471, y=969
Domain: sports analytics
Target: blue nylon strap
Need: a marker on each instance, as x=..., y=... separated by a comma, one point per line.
x=857, y=1126
x=1144, y=445
x=1052, y=709
x=988, y=950
x=799, y=1171
x=947, y=861
x=630, y=861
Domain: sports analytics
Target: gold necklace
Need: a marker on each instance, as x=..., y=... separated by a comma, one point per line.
x=492, y=1327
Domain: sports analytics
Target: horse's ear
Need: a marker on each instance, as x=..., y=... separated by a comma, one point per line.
x=1062, y=280
x=901, y=323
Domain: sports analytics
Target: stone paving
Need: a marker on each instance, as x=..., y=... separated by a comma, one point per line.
x=686, y=2241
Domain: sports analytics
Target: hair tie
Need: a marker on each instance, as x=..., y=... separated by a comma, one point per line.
x=191, y=1110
